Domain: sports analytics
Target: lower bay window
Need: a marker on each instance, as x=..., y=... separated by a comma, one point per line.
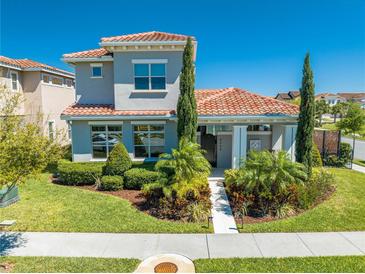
x=104, y=138
x=149, y=140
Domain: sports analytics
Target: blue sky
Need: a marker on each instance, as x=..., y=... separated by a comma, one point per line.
x=256, y=45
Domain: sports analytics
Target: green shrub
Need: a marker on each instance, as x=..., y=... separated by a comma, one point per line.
x=319, y=183
x=79, y=173
x=135, y=178
x=118, y=161
x=345, y=153
x=109, y=182
x=197, y=212
x=316, y=157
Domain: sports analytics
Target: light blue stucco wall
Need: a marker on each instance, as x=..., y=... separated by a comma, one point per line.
x=81, y=139
x=125, y=96
x=94, y=90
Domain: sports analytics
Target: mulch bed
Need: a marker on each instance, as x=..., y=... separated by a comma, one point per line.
x=269, y=218
x=135, y=197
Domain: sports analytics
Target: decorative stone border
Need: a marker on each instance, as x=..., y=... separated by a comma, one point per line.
x=183, y=264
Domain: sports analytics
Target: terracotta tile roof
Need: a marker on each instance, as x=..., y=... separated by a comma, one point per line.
x=210, y=102
x=238, y=102
x=87, y=53
x=108, y=110
x=146, y=36
x=30, y=64
x=352, y=95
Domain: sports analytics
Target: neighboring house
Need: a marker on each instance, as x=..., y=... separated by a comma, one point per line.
x=47, y=91
x=127, y=91
x=357, y=97
x=287, y=96
x=330, y=98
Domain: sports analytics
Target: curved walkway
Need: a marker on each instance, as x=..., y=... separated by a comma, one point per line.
x=193, y=246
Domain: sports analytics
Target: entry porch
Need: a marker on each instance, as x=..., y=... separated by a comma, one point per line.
x=228, y=144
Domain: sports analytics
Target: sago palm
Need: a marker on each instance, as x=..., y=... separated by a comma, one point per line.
x=188, y=162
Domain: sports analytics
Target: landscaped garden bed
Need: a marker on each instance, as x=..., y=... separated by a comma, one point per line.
x=175, y=188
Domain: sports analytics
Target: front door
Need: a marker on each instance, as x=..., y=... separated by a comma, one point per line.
x=224, y=151
x=208, y=143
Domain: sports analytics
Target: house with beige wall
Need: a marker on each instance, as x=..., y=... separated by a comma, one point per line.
x=46, y=90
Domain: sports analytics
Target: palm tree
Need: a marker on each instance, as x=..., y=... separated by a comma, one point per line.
x=269, y=174
x=188, y=161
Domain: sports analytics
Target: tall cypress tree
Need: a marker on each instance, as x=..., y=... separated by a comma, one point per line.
x=187, y=117
x=304, y=137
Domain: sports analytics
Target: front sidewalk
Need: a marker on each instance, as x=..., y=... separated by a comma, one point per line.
x=193, y=246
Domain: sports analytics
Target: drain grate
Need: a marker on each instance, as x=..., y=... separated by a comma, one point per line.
x=166, y=267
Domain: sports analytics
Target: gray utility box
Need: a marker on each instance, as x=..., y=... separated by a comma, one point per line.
x=8, y=197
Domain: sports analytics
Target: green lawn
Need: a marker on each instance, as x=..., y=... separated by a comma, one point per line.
x=344, y=211
x=359, y=162
x=310, y=264
x=102, y=265
x=62, y=264
x=44, y=206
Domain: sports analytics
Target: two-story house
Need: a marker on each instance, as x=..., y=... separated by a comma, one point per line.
x=127, y=91
x=46, y=91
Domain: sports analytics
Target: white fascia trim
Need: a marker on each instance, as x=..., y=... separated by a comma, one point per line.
x=148, y=122
x=103, y=118
x=86, y=59
x=149, y=61
x=10, y=66
x=142, y=43
x=105, y=122
x=50, y=71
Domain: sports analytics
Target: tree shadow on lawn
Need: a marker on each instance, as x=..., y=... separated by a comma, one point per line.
x=10, y=241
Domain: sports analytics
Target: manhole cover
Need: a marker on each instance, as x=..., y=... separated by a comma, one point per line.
x=166, y=267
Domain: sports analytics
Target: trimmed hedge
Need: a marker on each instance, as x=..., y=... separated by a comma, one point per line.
x=111, y=183
x=71, y=173
x=118, y=161
x=135, y=178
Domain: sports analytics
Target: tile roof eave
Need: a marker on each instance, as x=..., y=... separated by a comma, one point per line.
x=58, y=71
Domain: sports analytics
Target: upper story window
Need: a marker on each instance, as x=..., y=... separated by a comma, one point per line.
x=96, y=70
x=150, y=76
x=14, y=80
x=69, y=83
x=46, y=78
x=58, y=81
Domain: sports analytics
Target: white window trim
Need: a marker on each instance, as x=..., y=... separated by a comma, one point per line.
x=148, y=122
x=105, y=123
x=53, y=129
x=149, y=90
x=64, y=79
x=56, y=85
x=96, y=65
x=149, y=61
x=17, y=80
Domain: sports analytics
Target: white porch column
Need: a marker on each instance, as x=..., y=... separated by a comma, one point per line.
x=239, y=145
x=290, y=132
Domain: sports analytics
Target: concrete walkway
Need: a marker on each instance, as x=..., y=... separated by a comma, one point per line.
x=223, y=221
x=193, y=246
x=358, y=168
